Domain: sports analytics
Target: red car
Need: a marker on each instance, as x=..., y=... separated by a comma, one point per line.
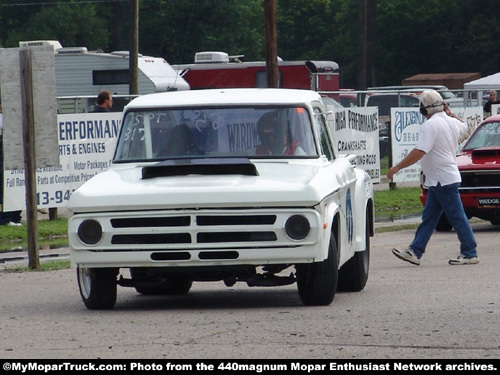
x=479, y=165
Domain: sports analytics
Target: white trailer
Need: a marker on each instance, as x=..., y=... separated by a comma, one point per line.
x=81, y=73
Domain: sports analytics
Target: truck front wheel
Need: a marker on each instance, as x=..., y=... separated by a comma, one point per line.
x=317, y=282
x=97, y=287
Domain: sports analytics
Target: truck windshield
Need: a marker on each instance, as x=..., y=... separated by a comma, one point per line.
x=488, y=135
x=161, y=134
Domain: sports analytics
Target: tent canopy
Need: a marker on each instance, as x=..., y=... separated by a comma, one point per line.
x=484, y=84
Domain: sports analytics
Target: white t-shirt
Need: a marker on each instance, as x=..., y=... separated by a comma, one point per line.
x=438, y=138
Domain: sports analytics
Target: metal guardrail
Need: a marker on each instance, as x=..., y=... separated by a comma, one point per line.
x=358, y=98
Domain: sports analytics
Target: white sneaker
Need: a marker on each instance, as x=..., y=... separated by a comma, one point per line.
x=12, y=224
x=407, y=255
x=461, y=259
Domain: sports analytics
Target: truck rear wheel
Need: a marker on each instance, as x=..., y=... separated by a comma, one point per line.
x=97, y=287
x=443, y=224
x=317, y=282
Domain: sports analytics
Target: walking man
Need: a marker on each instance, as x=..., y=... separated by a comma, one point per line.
x=436, y=148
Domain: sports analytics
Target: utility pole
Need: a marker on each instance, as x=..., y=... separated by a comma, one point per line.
x=134, y=48
x=271, y=44
x=371, y=40
x=28, y=121
x=367, y=21
x=362, y=42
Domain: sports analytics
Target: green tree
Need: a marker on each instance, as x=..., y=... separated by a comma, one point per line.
x=344, y=41
x=436, y=36
x=413, y=36
x=305, y=29
x=71, y=23
x=178, y=29
x=476, y=44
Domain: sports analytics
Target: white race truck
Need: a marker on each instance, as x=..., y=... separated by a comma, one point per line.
x=225, y=184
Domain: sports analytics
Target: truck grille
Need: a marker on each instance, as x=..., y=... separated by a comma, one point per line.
x=226, y=236
x=210, y=230
x=205, y=231
x=488, y=181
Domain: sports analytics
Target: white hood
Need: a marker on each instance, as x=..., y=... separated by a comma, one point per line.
x=277, y=184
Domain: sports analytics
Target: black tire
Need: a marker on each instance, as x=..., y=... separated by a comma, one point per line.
x=317, y=282
x=443, y=224
x=174, y=286
x=97, y=287
x=353, y=275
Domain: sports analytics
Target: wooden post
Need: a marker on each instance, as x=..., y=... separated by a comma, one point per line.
x=371, y=38
x=29, y=156
x=271, y=44
x=362, y=36
x=134, y=48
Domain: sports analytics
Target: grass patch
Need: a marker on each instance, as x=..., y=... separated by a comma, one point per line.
x=398, y=199
x=44, y=266
x=46, y=229
x=394, y=228
x=51, y=233
x=384, y=165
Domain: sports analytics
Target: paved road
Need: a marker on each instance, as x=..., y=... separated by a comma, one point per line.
x=431, y=311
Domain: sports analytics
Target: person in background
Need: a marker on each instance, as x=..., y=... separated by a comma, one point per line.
x=493, y=100
x=12, y=218
x=436, y=148
x=104, y=102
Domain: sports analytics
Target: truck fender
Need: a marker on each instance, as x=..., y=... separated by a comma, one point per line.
x=363, y=206
x=330, y=226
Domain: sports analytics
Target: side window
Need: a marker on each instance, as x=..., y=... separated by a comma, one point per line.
x=409, y=101
x=325, y=143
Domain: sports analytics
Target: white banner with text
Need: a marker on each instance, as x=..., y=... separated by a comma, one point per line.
x=86, y=147
x=405, y=130
x=356, y=132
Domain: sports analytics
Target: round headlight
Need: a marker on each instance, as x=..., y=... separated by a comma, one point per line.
x=90, y=232
x=297, y=227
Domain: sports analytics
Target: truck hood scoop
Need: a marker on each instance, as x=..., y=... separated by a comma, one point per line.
x=486, y=155
x=184, y=167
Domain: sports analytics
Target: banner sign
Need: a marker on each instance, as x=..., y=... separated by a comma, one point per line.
x=405, y=131
x=86, y=147
x=356, y=132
